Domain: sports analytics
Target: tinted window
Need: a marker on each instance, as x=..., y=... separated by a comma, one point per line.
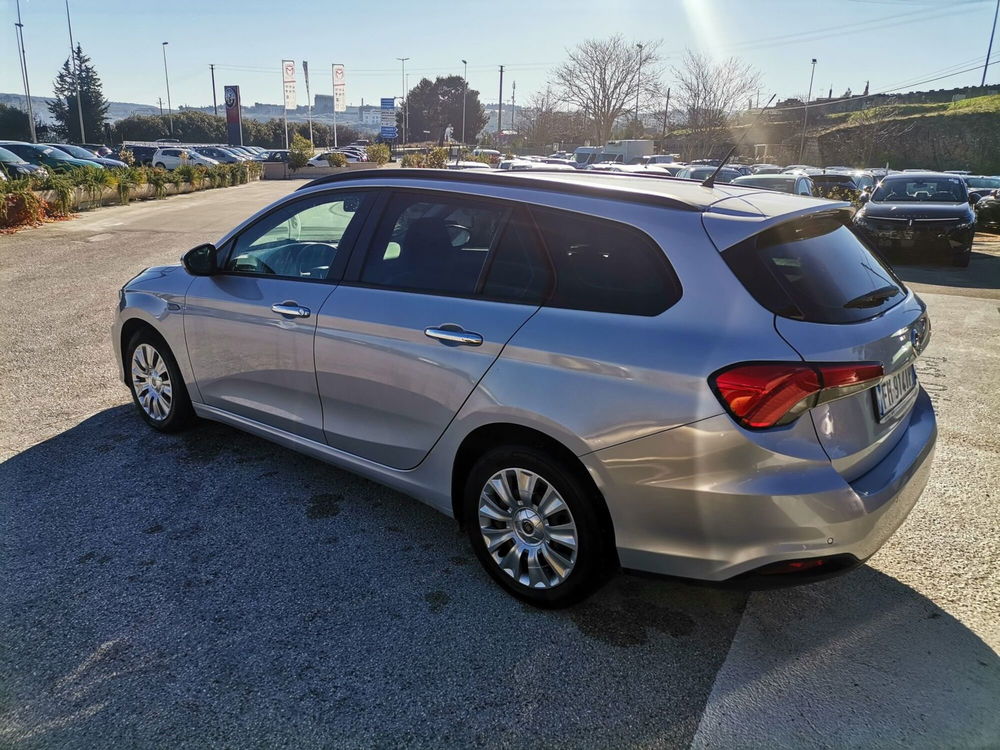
x=433, y=244
x=605, y=266
x=933, y=189
x=816, y=270
x=518, y=270
x=300, y=240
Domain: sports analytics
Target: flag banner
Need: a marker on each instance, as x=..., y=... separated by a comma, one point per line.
x=339, y=89
x=288, y=79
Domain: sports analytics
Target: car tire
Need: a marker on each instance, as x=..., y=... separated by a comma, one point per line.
x=962, y=261
x=548, y=545
x=160, y=165
x=155, y=381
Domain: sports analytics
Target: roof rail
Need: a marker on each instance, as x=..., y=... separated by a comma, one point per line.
x=567, y=182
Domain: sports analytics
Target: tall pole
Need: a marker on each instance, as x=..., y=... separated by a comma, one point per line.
x=402, y=80
x=666, y=114
x=989, y=49
x=215, y=104
x=24, y=74
x=166, y=77
x=333, y=77
x=160, y=100
x=500, y=107
x=465, y=90
x=805, y=112
x=76, y=69
x=513, y=104
x=638, y=83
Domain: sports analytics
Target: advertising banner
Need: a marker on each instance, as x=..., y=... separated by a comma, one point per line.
x=288, y=79
x=339, y=89
x=234, y=116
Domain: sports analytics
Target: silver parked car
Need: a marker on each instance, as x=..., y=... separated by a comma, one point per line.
x=588, y=371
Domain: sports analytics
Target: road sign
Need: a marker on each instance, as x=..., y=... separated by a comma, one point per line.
x=389, y=133
x=388, y=119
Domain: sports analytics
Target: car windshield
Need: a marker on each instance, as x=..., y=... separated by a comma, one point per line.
x=928, y=189
x=77, y=151
x=9, y=157
x=983, y=182
x=53, y=153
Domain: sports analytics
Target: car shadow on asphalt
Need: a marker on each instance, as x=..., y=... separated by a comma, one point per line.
x=214, y=585
x=983, y=273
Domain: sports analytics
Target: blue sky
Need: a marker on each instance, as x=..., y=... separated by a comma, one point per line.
x=890, y=42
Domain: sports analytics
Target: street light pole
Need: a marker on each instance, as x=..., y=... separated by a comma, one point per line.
x=805, y=111
x=76, y=68
x=989, y=49
x=638, y=83
x=215, y=105
x=24, y=74
x=402, y=79
x=166, y=77
x=465, y=90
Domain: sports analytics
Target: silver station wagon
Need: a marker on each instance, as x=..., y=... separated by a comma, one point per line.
x=588, y=371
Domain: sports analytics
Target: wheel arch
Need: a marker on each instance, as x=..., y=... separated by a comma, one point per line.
x=495, y=434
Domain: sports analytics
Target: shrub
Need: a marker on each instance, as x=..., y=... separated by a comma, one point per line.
x=19, y=204
x=300, y=152
x=184, y=173
x=336, y=159
x=378, y=153
x=62, y=185
x=437, y=158
x=159, y=178
x=127, y=179
x=413, y=160
x=125, y=154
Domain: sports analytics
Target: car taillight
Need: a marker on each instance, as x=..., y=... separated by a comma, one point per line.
x=760, y=395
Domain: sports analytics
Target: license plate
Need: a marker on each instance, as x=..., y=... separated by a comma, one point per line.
x=893, y=390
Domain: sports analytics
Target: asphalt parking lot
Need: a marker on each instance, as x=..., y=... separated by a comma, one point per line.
x=210, y=589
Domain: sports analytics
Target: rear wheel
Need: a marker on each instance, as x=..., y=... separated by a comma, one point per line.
x=160, y=165
x=155, y=381
x=535, y=526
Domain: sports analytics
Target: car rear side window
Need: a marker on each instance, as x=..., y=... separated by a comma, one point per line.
x=605, y=266
x=817, y=270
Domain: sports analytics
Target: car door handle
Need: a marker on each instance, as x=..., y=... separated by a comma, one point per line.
x=292, y=309
x=453, y=334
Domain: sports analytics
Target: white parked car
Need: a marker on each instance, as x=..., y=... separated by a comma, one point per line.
x=320, y=160
x=172, y=157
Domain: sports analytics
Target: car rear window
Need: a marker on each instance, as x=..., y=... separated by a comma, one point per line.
x=604, y=266
x=817, y=270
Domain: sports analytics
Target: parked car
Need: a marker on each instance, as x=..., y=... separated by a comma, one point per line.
x=142, y=155
x=13, y=166
x=45, y=156
x=981, y=185
x=79, y=152
x=837, y=185
x=172, y=157
x=98, y=149
x=920, y=213
x=276, y=155
x=670, y=169
x=219, y=154
x=797, y=184
x=320, y=160
x=239, y=152
x=765, y=168
x=586, y=372
x=988, y=212
x=701, y=172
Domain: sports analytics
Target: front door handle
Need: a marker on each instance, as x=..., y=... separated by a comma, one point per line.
x=450, y=333
x=292, y=309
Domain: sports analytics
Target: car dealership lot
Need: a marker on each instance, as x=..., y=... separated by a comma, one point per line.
x=210, y=588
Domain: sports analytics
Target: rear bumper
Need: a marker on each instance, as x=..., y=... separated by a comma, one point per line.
x=705, y=502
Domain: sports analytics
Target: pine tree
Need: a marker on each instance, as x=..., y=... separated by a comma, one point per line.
x=64, y=108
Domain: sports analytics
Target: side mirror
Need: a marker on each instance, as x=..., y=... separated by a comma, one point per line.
x=974, y=199
x=200, y=261
x=863, y=198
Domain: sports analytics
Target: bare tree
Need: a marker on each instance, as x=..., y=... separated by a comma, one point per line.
x=603, y=77
x=710, y=93
x=876, y=128
x=543, y=123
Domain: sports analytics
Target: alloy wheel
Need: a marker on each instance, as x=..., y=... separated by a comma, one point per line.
x=151, y=382
x=527, y=528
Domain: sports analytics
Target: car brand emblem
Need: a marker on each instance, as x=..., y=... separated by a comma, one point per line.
x=918, y=334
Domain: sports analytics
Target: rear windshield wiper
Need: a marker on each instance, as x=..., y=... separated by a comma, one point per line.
x=874, y=298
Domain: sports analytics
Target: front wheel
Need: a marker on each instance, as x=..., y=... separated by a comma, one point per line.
x=160, y=165
x=535, y=526
x=154, y=379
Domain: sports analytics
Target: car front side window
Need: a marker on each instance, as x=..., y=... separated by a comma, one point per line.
x=302, y=240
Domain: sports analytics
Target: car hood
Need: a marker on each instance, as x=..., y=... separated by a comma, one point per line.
x=881, y=210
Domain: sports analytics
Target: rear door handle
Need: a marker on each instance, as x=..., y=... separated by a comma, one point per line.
x=453, y=334
x=292, y=309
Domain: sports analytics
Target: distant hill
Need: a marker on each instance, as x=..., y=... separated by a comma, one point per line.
x=39, y=106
